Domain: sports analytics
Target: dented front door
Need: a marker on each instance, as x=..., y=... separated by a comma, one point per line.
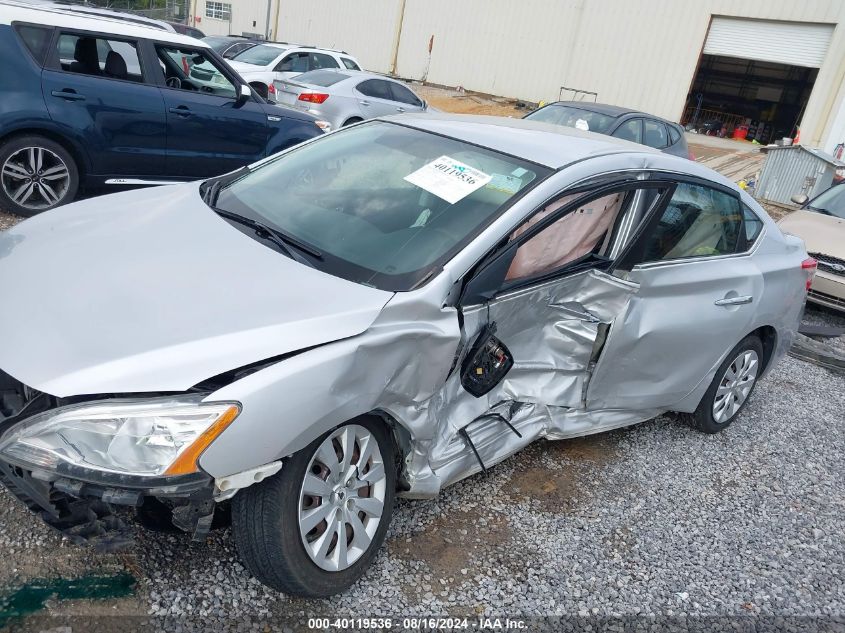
x=552, y=330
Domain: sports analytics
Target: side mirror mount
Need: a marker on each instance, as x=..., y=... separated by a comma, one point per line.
x=244, y=94
x=800, y=199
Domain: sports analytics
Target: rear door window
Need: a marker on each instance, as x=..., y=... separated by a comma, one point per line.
x=630, y=131
x=36, y=39
x=655, y=134
x=293, y=63
x=317, y=61
x=375, y=88
x=100, y=57
x=698, y=222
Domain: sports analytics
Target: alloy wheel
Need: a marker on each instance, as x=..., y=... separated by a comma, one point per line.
x=35, y=178
x=342, y=498
x=735, y=386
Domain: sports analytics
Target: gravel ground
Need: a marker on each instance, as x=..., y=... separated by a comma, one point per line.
x=656, y=519
x=7, y=220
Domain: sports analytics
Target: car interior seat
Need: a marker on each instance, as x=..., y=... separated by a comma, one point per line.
x=86, y=60
x=115, y=66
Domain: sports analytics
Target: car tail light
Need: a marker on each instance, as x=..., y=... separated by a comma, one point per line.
x=313, y=97
x=809, y=265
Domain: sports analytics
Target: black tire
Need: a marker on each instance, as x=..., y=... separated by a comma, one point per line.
x=261, y=89
x=266, y=529
x=351, y=121
x=703, y=418
x=53, y=154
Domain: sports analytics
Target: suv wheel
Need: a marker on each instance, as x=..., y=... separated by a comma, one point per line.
x=732, y=385
x=313, y=529
x=36, y=174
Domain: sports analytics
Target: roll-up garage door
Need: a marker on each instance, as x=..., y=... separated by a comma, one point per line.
x=792, y=43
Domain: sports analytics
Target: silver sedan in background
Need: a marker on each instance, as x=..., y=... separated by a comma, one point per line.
x=348, y=96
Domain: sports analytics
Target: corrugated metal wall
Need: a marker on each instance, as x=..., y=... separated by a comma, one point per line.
x=638, y=53
x=793, y=170
x=365, y=29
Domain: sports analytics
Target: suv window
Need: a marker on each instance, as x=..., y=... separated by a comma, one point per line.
x=350, y=64
x=113, y=59
x=403, y=95
x=319, y=61
x=630, y=131
x=698, y=222
x=655, y=134
x=293, y=63
x=36, y=39
x=375, y=88
x=203, y=74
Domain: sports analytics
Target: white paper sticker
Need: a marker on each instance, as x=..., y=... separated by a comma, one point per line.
x=448, y=179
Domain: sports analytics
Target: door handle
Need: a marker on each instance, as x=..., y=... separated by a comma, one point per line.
x=734, y=301
x=181, y=111
x=69, y=94
x=364, y=103
x=400, y=109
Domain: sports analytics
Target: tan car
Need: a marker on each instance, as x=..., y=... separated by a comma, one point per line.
x=820, y=222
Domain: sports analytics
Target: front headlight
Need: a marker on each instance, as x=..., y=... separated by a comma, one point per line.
x=153, y=437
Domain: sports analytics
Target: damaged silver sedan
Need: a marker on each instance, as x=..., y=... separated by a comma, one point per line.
x=385, y=310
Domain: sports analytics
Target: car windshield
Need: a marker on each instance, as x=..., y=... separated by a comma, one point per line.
x=568, y=116
x=385, y=204
x=218, y=43
x=831, y=202
x=261, y=55
x=324, y=78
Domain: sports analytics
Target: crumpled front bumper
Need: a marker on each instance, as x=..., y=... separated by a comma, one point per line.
x=83, y=506
x=83, y=503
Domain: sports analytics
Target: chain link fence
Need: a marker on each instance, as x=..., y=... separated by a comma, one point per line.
x=167, y=10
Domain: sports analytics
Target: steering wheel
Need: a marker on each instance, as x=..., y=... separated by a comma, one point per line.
x=173, y=82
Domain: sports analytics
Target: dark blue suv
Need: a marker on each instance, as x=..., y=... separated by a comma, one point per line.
x=99, y=102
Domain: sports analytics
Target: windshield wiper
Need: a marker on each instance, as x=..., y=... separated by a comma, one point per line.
x=819, y=209
x=210, y=189
x=279, y=238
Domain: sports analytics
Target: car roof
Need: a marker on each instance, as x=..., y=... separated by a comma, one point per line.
x=608, y=110
x=357, y=75
x=57, y=15
x=543, y=143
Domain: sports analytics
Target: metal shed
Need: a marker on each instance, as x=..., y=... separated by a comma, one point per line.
x=793, y=169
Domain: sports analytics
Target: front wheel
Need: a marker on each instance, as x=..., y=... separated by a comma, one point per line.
x=313, y=529
x=732, y=385
x=36, y=174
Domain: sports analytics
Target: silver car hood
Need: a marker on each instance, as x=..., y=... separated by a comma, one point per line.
x=152, y=291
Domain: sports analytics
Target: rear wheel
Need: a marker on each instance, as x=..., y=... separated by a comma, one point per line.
x=313, y=529
x=731, y=387
x=36, y=174
x=351, y=121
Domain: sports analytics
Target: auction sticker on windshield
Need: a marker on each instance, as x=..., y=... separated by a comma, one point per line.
x=448, y=179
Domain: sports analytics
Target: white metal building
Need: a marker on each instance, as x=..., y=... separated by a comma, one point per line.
x=772, y=63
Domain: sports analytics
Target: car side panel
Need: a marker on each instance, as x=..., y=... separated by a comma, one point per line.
x=23, y=108
x=122, y=122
